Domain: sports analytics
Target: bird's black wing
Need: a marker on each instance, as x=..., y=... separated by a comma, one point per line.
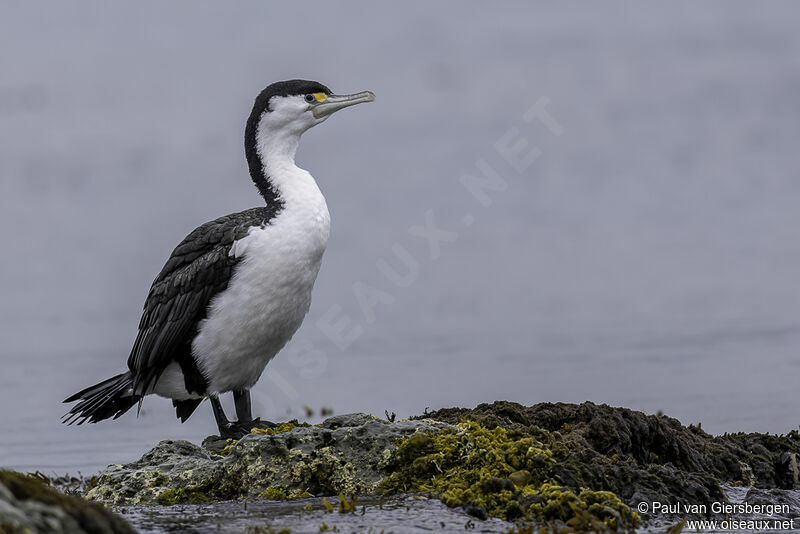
x=198, y=269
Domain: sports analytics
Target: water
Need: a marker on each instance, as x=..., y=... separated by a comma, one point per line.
x=647, y=258
x=406, y=515
x=399, y=514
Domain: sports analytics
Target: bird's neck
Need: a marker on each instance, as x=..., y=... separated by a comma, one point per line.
x=270, y=156
x=279, y=180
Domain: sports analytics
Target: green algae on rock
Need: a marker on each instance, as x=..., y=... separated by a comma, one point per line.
x=639, y=457
x=491, y=473
x=279, y=429
x=346, y=454
x=186, y=495
x=29, y=505
x=571, y=467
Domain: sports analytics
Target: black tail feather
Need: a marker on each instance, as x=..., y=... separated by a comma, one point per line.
x=184, y=409
x=110, y=398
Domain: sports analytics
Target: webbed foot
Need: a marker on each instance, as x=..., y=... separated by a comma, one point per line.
x=234, y=430
x=237, y=429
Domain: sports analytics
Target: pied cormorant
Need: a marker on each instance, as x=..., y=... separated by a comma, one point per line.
x=236, y=289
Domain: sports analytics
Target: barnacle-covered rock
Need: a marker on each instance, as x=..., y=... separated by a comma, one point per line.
x=345, y=454
x=567, y=467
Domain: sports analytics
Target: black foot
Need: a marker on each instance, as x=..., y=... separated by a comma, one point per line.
x=238, y=430
x=234, y=430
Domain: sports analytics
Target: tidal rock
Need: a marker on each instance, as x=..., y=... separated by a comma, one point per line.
x=29, y=505
x=786, y=503
x=640, y=457
x=787, y=473
x=346, y=454
x=540, y=462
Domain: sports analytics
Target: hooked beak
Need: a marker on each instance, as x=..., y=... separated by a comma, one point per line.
x=334, y=103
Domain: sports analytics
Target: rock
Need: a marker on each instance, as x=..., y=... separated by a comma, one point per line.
x=639, y=457
x=29, y=505
x=786, y=502
x=349, y=419
x=786, y=471
x=214, y=444
x=476, y=511
x=346, y=454
x=582, y=466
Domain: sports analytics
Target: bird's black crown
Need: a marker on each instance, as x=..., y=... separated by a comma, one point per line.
x=286, y=88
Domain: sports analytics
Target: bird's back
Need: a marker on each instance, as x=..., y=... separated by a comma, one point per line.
x=199, y=268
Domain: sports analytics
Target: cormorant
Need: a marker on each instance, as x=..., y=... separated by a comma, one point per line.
x=236, y=289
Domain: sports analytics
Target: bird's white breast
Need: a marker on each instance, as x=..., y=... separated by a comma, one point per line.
x=269, y=293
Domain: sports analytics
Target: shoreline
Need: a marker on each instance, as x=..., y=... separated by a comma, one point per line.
x=585, y=467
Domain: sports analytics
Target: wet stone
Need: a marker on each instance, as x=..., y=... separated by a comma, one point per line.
x=345, y=454
x=582, y=466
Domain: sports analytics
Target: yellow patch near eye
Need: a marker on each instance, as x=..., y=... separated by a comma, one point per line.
x=321, y=97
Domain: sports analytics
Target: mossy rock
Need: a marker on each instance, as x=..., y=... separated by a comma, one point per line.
x=185, y=495
x=31, y=505
x=491, y=472
x=636, y=456
x=345, y=454
x=567, y=466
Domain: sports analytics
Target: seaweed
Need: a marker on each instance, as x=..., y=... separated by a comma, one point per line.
x=274, y=494
x=499, y=474
x=186, y=495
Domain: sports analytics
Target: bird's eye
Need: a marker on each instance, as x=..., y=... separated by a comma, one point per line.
x=310, y=99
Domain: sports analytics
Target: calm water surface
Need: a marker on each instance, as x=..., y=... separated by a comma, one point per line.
x=648, y=257
x=405, y=515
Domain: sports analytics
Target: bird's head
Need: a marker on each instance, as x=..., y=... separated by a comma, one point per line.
x=294, y=106
x=284, y=110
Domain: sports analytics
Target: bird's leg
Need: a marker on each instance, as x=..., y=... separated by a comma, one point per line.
x=219, y=413
x=241, y=398
x=226, y=428
x=244, y=411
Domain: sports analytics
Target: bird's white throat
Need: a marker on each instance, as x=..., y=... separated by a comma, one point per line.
x=294, y=186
